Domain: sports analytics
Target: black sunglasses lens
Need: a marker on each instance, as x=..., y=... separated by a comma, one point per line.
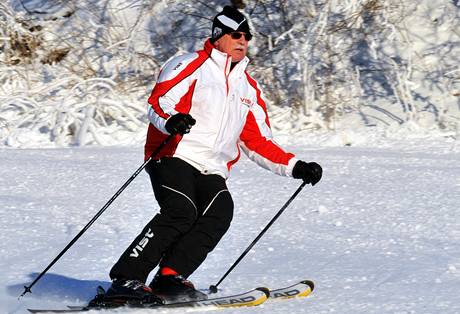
x=237, y=35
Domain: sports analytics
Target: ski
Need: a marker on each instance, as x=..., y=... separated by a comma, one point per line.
x=251, y=298
x=300, y=289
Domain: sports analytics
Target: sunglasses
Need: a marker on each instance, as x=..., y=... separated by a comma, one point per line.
x=237, y=35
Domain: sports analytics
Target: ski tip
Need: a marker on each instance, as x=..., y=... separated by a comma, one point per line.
x=264, y=290
x=309, y=283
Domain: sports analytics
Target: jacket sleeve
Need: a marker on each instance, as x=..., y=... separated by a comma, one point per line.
x=257, y=142
x=173, y=90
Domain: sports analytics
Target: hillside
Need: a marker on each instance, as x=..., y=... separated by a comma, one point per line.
x=77, y=73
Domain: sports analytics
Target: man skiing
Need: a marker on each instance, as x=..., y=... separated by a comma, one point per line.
x=214, y=109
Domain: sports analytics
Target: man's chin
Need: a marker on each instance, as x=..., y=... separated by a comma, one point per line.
x=237, y=57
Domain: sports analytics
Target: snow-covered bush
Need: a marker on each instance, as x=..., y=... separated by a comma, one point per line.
x=338, y=61
x=75, y=72
x=79, y=72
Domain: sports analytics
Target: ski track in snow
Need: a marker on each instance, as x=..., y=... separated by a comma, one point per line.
x=379, y=234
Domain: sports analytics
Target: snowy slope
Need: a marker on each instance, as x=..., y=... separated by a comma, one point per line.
x=380, y=233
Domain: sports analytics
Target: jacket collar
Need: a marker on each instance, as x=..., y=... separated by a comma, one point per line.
x=223, y=60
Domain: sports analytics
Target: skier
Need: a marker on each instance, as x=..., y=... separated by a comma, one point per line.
x=215, y=109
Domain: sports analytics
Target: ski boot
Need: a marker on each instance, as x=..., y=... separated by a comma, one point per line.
x=175, y=288
x=125, y=292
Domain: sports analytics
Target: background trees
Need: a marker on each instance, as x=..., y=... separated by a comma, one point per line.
x=79, y=72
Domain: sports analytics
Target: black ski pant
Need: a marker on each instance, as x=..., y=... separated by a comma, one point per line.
x=196, y=211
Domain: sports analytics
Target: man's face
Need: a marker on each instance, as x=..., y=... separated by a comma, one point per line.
x=233, y=46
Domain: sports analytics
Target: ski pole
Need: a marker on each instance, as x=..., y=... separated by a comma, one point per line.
x=213, y=288
x=101, y=211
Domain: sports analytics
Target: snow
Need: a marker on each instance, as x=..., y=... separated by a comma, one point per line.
x=379, y=234
x=78, y=73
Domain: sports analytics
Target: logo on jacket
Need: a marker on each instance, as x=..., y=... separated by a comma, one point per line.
x=246, y=101
x=177, y=66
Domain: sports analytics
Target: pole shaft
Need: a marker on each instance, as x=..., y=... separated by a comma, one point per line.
x=99, y=213
x=261, y=233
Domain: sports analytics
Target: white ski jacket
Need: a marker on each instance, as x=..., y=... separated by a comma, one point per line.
x=229, y=109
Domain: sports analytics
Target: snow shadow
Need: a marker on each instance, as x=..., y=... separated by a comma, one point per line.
x=55, y=286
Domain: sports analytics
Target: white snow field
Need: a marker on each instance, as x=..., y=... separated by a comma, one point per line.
x=379, y=234
x=368, y=89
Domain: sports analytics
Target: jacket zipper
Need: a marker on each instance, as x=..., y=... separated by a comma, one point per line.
x=224, y=111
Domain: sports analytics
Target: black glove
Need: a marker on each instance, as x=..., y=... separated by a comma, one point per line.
x=180, y=123
x=310, y=172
